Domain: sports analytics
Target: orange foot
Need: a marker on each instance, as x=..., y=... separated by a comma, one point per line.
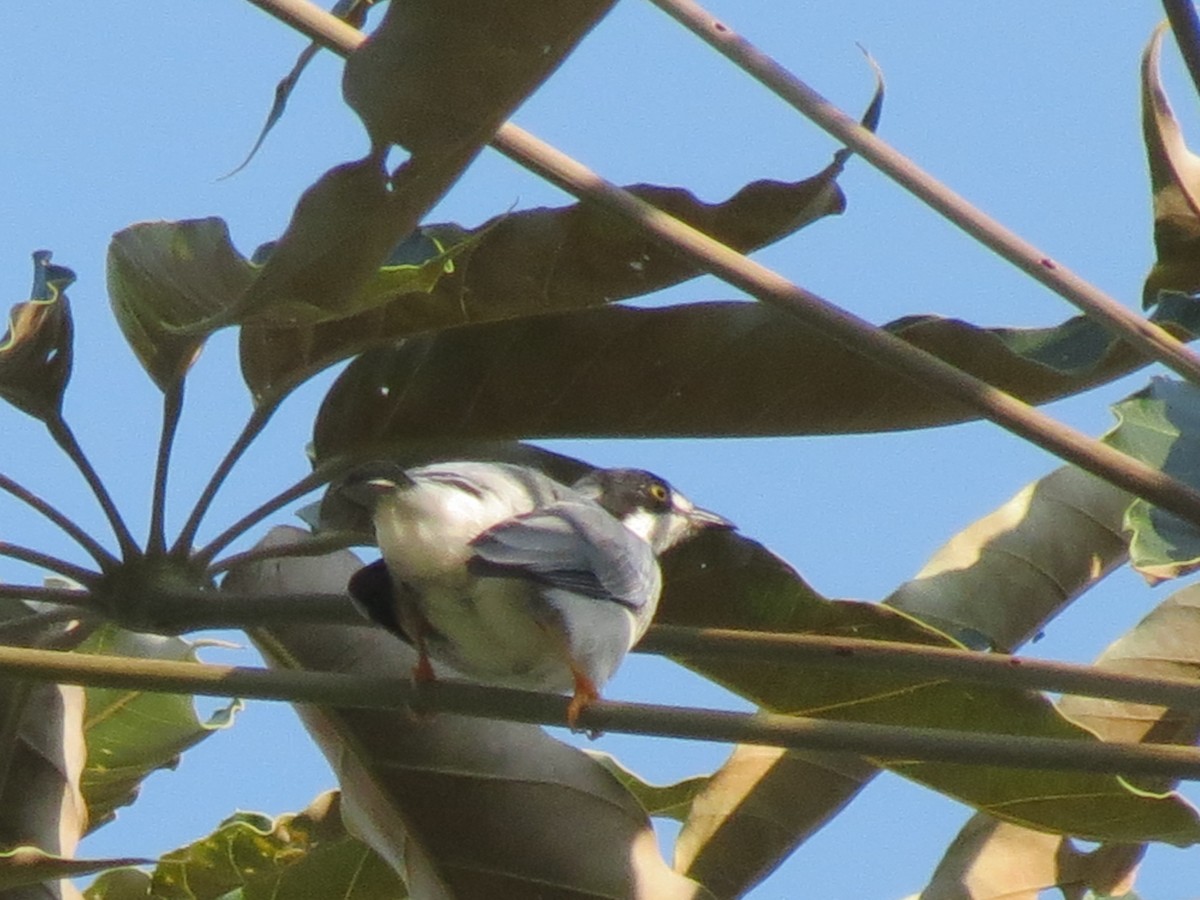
x=423, y=670
x=585, y=695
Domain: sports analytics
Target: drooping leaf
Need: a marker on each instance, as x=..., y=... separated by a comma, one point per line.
x=437, y=76
x=1175, y=183
x=532, y=262
x=353, y=12
x=171, y=285
x=723, y=580
x=406, y=781
x=705, y=369
x=1160, y=425
x=133, y=733
x=254, y=857
x=36, y=352
x=23, y=866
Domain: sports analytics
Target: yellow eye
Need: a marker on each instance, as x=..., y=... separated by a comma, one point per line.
x=659, y=492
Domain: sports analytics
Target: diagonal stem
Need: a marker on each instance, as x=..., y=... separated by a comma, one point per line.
x=65, y=438
x=1150, y=339
x=254, y=425
x=1185, y=25
x=103, y=558
x=859, y=335
x=317, y=546
x=46, y=561
x=156, y=543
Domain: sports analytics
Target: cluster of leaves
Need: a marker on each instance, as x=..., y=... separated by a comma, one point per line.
x=468, y=340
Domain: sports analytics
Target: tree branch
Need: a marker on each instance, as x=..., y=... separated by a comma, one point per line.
x=1150, y=339
x=335, y=689
x=856, y=333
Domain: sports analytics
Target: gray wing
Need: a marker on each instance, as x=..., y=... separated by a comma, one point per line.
x=573, y=545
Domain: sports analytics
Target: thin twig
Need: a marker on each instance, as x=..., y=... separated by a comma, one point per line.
x=1145, y=336
x=254, y=425
x=318, y=546
x=46, y=561
x=103, y=558
x=859, y=335
x=65, y=438
x=305, y=485
x=156, y=543
x=1185, y=25
x=340, y=690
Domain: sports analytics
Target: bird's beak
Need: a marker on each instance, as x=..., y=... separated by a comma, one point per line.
x=705, y=518
x=366, y=486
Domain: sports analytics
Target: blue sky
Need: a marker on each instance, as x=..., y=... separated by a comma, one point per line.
x=120, y=112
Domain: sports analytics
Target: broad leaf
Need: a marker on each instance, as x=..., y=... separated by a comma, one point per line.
x=705, y=369
x=171, y=285
x=406, y=781
x=36, y=352
x=1175, y=183
x=1160, y=425
x=669, y=801
x=24, y=866
x=133, y=733
x=435, y=77
x=254, y=857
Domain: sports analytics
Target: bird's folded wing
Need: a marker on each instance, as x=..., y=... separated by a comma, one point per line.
x=575, y=546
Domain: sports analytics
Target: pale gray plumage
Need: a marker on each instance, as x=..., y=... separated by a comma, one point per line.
x=513, y=578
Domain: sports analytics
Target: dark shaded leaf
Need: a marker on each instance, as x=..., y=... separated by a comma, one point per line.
x=171, y=285
x=706, y=369
x=1160, y=425
x=435, y=77
x=724, y=580
x=669, y=801
x=1175, y=184
x=36, y=352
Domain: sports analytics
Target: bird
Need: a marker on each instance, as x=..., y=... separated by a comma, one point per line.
x=512, y=578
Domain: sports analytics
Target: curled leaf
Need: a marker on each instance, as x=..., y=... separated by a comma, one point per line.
x=36, y=352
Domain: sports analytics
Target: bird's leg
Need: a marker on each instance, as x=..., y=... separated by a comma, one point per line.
x=423, y=670
x=585, y=695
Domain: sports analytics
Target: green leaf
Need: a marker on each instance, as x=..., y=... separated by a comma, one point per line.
x=724, y=580
x=670, y=801
x=36, y=352
x=1160, y=425
x=705, y=369
x=171, y=285
x=437, y=77
x=133, y=733
x=23, y=866
x=1175, y=183
x=253, y=857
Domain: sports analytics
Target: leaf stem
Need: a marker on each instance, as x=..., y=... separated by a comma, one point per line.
x=103, y=558
x=65, y=438
x=64, y=596
x=46, y=561
x=993, y=404
x=308, y=483
x=1185, y=25
x=156, y=543
x=342, y=690
x=1150, y=339
x=318, y=546
x=257, y=421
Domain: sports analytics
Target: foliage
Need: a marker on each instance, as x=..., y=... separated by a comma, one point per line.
x=466, y=341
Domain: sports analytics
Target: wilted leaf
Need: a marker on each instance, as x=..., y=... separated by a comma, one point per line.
x=437, y=76
x=722, y=580
x=171, y=285
x=36, y=352
x=1160, y=425
x=133, y=733
x=406, y=781
x=254, y=857
x=705, y=369
x=28, y=865
x=1175, y=183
